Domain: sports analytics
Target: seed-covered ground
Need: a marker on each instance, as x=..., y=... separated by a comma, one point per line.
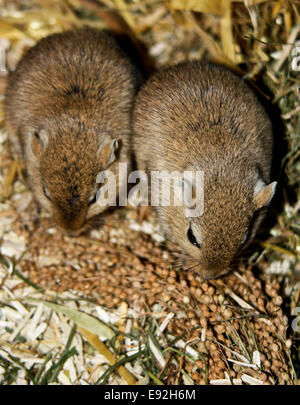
x=115, y=305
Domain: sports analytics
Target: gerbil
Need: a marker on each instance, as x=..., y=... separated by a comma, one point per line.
x=201, y=116
x=69, y=104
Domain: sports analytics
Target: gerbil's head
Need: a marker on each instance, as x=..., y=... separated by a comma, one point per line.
x=64, y=170
x=232, y=212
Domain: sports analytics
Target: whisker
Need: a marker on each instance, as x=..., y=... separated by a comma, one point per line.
x=191, y=267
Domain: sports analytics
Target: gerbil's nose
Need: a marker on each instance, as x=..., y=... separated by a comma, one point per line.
x=74, y=233
x=212, y=274
x=70, y=222
x=73, y=228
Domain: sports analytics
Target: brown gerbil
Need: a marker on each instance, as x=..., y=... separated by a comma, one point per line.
x=68, y=105
x=201, y=117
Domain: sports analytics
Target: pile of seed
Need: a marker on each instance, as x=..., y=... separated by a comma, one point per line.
x=226, y=318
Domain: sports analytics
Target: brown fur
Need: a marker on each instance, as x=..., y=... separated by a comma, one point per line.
x=200, y=116
x=78, y=87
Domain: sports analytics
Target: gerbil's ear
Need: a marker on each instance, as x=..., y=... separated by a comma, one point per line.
x=263, y=193
x=107, y=153
x=37, y=142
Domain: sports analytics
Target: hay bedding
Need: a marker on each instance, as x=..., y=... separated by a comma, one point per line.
x=174, y=327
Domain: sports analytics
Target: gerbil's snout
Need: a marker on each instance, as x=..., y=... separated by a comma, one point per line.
x=214, y=267
x=207, y=271
x=72, y=222
x=72, y=228
x=212, y=274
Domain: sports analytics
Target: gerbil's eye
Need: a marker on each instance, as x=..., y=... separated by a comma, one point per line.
x=192, y=238
x=244, y=238
x=93, y=198
x=46, y=193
